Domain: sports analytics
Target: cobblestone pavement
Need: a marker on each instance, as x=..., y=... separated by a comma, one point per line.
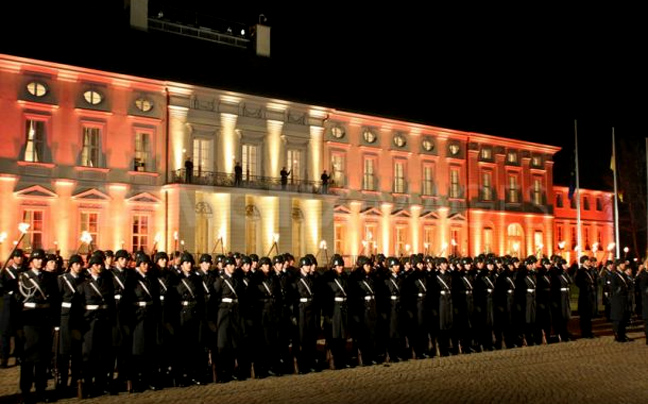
x=582, y=371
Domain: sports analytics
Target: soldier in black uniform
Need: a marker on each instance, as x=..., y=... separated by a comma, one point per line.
x=70, y=327
x=122, y=343
x=605, y=279
x=416, y=302
x=304, y=308
x=463, y=306
x=525, y=301
x=145, y=297
x=208, y=328
x=483, y=299
x=335, y=311
x=504, y=304
x=246, y=309
x=166, y=279
x=586, y=297
x=393, y=285
x=560, y=302
x=285, y=329
x=543, y=303
x=362, y=310
x=227, y=291
x=96, y=308
x=11, y=309
x=191, y=305
x=265, y=294
x=619, y=291
x=39, y=308
x=642, y=285
x=442, y=310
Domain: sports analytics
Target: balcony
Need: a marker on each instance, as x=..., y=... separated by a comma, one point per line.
x=220, y=179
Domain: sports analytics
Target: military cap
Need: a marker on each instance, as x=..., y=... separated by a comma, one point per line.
x=380, y=257
x=177, y=254
x=312, y=258
x=18, y=253
x=414, y=260
x=288, y=257
x=442, y=260
x=121, y=254
x=205, y=258
x=264, y=261
x=38, y=253
x=161, y=255
x=619, y=261
x=391, y=261
x=583, y=259
x=531, y=259
x=246, y=260
x=50, y=257
x=237, y=255
x=362, y=260
x=466, y=261
x=94, y=260
x=515, y=260
x=546, y=261
x=229, y=261
x=479, y=259
x=609, y=262
x=142, y=259
x=337, y=260
x=220, y=258
x=305, y=261
x=278, y=259
x=490, y=261
x=254, y=257
x=562, y=261
x=74, y=259
x=109, y=253
x=499, y=260
x=186, y=257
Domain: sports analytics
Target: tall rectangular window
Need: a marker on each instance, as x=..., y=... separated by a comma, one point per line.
x=487, y=190
x=560, y=233
x=249, y=163
x=202, y=155
x=399, y=177
x=512, y=192
x=89, y=222
x=294, y=164
x=455, y=190
x=34, y=236
x=339, y=238
x=368, y=174
x=370, y=236
x=537, y=191
x=91, y=148
x=538, y=240
x=337, y=169
x=140, y=232
x=400, y=241
x=35, y=140
x=428, y=180
x=428, y=240
x=143, y=151
x=488, y=240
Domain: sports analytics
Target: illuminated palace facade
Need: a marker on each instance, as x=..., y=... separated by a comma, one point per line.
x=103, y=154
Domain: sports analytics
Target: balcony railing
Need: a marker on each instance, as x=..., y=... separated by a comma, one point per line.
x=220, y=179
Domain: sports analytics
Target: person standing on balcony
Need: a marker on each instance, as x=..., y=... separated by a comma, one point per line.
x=238, y=174
x=188, y=170
x=284, y=177
x=325, y=180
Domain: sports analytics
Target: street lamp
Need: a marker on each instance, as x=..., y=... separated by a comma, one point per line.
x=626, y=250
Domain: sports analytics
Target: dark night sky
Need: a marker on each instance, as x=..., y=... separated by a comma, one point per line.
x=525, y=73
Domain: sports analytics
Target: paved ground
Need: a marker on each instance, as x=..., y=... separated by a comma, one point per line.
x=583, y=371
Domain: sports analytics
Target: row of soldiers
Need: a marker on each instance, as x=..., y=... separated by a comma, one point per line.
x=143, y=323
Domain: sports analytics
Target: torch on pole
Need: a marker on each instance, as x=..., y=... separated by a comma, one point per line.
x=22, y=227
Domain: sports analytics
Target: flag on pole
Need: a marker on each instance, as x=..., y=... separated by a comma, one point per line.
x=572, y=180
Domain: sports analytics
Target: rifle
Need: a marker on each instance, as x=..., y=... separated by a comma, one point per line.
x=57, y=372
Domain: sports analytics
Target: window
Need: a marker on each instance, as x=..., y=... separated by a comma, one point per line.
x=574, y=239
x=487, y=190
x=599, y=204
x=89, y=222
x=428, y=240
x=140, y=232
x=560, y=233
x=368, y=174
x=537, y=191
x=35, y=140
x=513, y=192
x=294, y=164
x=512, y=157
x=486, y=153
x=572, y=202
x=399, y=177
x=337, y=169
x=144, y=104
x=92, y=97
x=337, y=132
x=559, y=200
x=249, y=164
x=587, y=238
x=454, y=149
x=369, y=136
x=428, y=179
x=427, y=144
x=34, y=235
x=37, y=89
x=400, y=241
x=586, y=204
x=339, y=238
x=202, y=155
x=399, y=140
x=536, y=161
x=91, y=147
x=488, y=240
x=455, y=190
x=143, y=151
x=514, y=234
x=454, y=241
x=537, y=240
x=369, y=238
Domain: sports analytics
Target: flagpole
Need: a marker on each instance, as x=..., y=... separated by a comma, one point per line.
x=578, y=212
x=616, y=200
